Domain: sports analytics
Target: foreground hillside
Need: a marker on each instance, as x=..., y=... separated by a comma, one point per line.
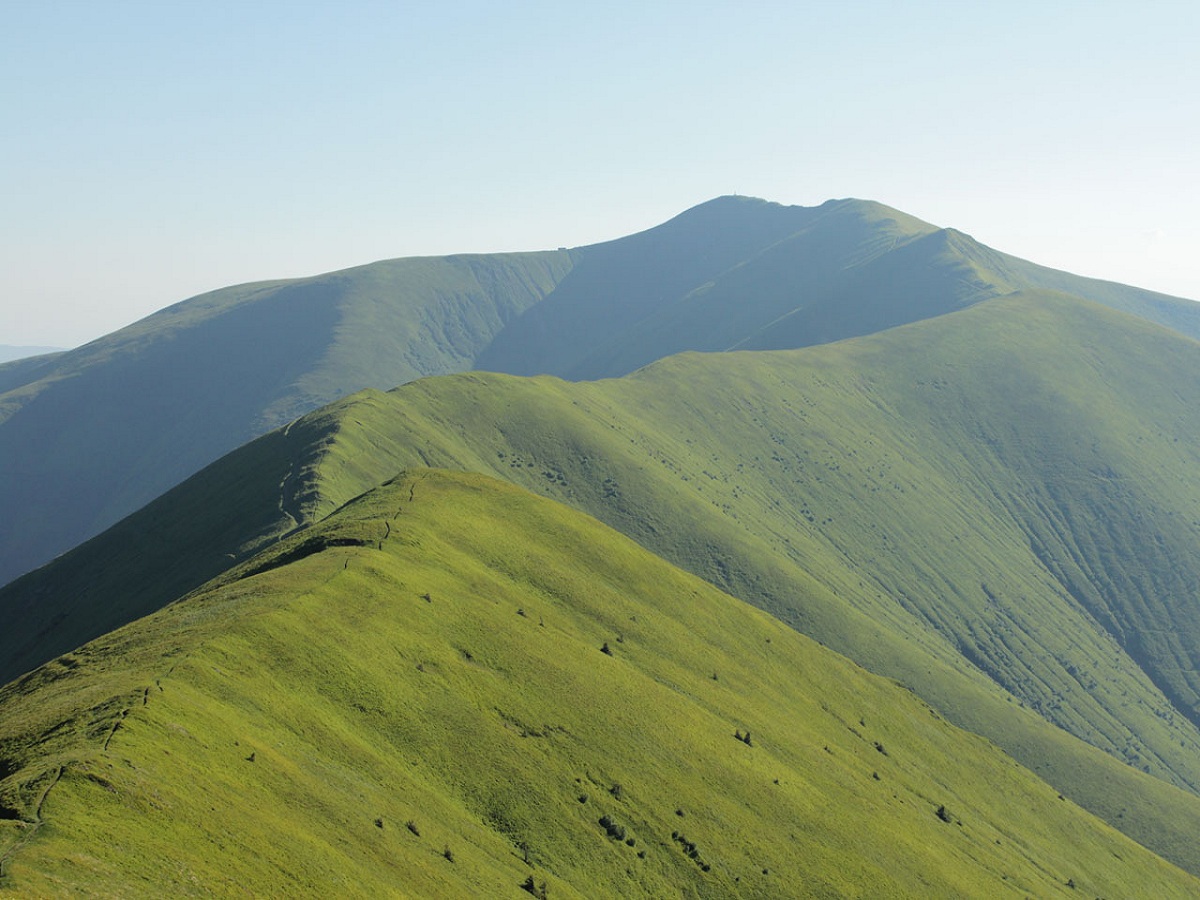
x=994, y=508
x=91, y=435
x=452, y=687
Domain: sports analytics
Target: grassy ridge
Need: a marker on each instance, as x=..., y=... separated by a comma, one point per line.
x=916, y=489
x=913, y=475
x=431, y=655
x=987, y=507
x=90, y=435
x=95, y=433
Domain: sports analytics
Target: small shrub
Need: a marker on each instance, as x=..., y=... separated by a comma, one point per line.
x=617, y=791
x=614, y=831
x=942, y=814
x=379, y=822
x=583, y=798
x=412, y=826
x=448, y=853
x=606, y=649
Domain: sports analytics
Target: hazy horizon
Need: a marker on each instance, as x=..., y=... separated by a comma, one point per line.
x=169, y=151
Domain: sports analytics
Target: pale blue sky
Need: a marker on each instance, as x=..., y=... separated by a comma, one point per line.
x=152, y=151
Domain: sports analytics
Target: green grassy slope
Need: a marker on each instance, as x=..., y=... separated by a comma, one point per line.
x=411, y=698
x=992, y=507
x=1006, y=486
x=1007, y=489
x=107, y=427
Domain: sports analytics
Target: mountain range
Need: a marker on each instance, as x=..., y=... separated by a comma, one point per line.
x=898, y=601
x=91, y=435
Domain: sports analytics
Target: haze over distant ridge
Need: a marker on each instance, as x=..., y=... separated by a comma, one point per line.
x=90, y=435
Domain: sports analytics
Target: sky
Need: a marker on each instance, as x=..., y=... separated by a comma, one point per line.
x=152, y=151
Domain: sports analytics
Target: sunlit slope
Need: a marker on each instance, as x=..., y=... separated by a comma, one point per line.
x=949, y=504
x=1003, y=494
x=414, y=698
x=1010, y=485
x=91, y=435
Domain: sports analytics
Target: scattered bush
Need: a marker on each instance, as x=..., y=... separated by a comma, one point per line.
x=614, y=831
x=379, y=822
x=539, y=891
x=412, y=826
x=606, y=649
x=448, y=853
x=943, y=815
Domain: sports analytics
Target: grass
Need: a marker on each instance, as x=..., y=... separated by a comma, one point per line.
x=279, y=731
x=993, y=508
x=91, y=435
x=102, y=430
x=998, y=499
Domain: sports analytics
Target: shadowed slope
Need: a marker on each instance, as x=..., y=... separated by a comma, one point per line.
x=778, y=277
x=412, y=698
x=93, y=434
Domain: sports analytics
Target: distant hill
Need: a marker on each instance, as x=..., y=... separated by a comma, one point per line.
x=91, y=435
x=451, y=687
x=993, y=507
x=8, y=352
